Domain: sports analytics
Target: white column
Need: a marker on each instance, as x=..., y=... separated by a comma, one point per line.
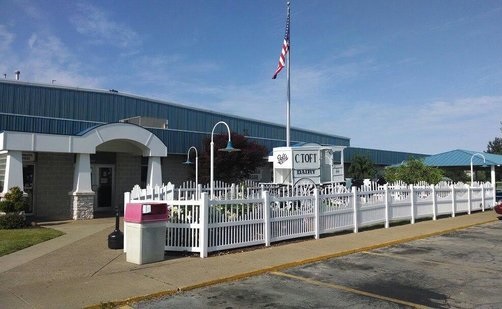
x=13, y=171
x=494, y=184
x=82, y=195
x=154, y=172
x=204, y=225
x=82, y=174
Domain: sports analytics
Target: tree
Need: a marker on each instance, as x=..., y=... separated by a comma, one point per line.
x=414, y=171
x=361, y=168
x=495, y=146
x=232, y=167
x=456, y=174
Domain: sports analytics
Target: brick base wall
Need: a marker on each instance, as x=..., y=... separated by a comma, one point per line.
x=127, y=174
x=53, y=182
x=174, y=171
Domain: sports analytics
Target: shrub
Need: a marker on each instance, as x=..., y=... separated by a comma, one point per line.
x=15, y=195
x=7, y=206
x=413, y=171
x=12, y=221
x=14, y=204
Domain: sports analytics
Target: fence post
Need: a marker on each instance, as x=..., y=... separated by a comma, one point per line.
x=494, y=194
x=354, y=198
x=434, y=203
x=127, y=199
x=204, y=225
x=266, y=217
x=412, y=199
x=386, y=199
x=482, y=198
x=316, y=213
x=232, y=191
x=469, y=199
x=453, y=201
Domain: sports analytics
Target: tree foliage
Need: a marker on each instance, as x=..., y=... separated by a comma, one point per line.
x=361, y=168
x=232, y=167
x=456, y=174
x=414, y=171
x=495, y=146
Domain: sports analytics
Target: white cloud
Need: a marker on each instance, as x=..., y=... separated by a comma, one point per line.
x=6, y=38
x=37, y=52
x=432, y=127
x=47, y=58
x=94, y=23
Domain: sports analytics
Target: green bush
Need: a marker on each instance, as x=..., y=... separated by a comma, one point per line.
x=15, y=195
x=13, y=204
x=413, y=171
x=12, y=221
x=7, y=206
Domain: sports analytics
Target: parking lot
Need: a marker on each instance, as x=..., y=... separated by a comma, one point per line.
x=461, y=269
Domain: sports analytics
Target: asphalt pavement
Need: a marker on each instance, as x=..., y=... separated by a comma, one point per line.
x=78, y=270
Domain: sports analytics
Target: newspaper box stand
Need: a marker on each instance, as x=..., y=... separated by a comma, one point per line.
x=146, y=232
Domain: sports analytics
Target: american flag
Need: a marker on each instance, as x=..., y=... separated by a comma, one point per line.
x=285, y=49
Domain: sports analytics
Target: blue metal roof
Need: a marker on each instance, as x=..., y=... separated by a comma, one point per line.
x=380, y=157
x=52, y=109
x=460, y=157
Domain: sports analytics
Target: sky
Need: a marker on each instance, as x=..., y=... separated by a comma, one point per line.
x=421, y=76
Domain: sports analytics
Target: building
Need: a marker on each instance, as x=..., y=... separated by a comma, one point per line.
x=75, y=151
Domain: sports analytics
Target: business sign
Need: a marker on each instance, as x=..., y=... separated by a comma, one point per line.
x=28, y=157
x=306, y=164
x=312, y=164
x=307, y=173
x=282, y=159
x=304, y=159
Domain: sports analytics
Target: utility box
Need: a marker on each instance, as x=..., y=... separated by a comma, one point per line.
x=145, y=224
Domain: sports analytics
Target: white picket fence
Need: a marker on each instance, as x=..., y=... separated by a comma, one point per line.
x=190, y=191
x=242, y=217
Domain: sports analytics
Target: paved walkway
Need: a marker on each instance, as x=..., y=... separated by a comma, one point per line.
x=78, y=270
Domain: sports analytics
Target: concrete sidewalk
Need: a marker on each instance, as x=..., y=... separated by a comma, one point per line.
x=78, y=270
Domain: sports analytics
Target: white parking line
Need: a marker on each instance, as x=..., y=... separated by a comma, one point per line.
x=348, y=289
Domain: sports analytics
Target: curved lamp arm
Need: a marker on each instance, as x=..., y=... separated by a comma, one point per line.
x=220, y=122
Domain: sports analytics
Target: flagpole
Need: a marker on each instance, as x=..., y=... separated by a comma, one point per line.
x=288, y=104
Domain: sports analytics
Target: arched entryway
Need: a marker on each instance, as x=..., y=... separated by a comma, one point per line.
x=101, y=158
x=96, y=185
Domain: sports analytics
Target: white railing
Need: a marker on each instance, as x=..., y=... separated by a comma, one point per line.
x=247, y=217
x=189, y=191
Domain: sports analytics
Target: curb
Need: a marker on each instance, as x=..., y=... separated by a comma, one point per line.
x=244, y=275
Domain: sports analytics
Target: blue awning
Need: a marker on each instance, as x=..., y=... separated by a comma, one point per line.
x=460, y=157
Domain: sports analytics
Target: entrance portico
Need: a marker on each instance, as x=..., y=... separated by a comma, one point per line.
x=114, y=137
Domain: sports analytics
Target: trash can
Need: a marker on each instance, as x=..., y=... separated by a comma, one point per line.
x=146, y=232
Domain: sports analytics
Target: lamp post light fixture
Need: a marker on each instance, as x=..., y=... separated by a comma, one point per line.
x=472, y=170
x=196, y=168
x=229, y=148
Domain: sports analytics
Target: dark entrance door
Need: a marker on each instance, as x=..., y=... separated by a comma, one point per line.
x=103, y=179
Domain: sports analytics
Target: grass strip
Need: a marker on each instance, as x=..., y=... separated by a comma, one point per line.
x=17, y=239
